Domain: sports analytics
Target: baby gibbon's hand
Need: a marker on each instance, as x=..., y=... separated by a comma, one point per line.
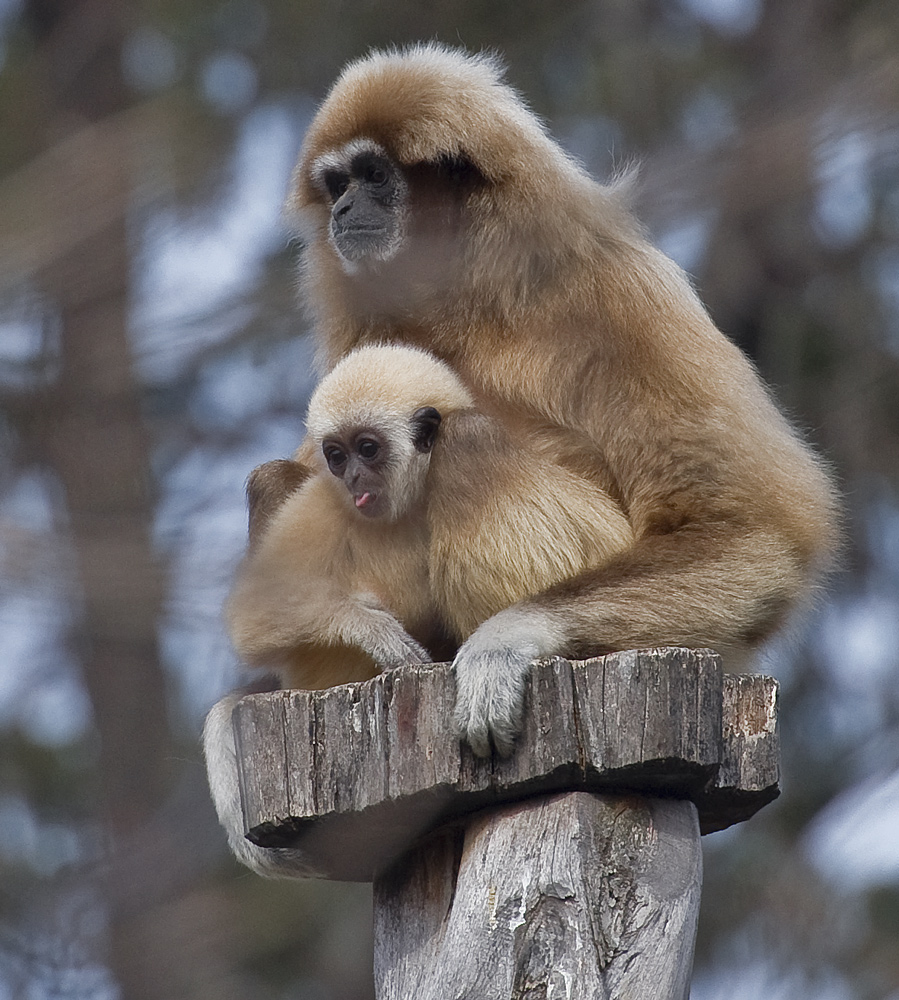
x=382, y=636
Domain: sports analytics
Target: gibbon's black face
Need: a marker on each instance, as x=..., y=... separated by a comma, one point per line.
x=370, y=467
x=368, y=195
x=381, y=211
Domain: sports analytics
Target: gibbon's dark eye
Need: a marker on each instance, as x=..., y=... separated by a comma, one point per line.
x=336, y=184
x=335, y=457
x=375, y=174
x=368, y=448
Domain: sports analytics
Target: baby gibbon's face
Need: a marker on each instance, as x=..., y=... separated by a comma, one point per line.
x=361, y=460
x=384, y=467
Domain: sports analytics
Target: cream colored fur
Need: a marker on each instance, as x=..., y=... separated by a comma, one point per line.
x=321, y=597
x=568, y=327
x=482, y=524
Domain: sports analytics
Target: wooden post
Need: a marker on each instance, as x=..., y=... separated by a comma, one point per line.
x=566, y=896
x=571, y=869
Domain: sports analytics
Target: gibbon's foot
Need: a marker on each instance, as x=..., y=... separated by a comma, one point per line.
x=221, y=766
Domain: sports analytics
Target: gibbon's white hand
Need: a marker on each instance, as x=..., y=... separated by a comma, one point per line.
x=491, y=670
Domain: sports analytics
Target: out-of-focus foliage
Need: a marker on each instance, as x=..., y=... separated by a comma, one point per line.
x=152, y=351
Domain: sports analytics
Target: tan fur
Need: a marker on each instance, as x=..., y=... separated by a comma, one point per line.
x=314, y=556
x=484, y=523
x=568, y=326
x=506, y=523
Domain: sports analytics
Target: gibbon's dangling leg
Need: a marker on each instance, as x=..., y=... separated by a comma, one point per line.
x=437, y=212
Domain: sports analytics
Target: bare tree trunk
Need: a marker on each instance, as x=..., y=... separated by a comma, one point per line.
x=92, y=434
x=574, y=895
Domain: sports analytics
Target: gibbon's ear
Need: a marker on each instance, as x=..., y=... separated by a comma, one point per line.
x=425, y=422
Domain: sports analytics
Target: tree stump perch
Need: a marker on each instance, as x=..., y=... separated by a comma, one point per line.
x=553, y=897
x=571, y=869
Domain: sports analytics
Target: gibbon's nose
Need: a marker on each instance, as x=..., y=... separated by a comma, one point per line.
x=343, y=204
x=352, y=474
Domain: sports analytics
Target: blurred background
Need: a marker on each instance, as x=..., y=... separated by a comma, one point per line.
x=152, y=351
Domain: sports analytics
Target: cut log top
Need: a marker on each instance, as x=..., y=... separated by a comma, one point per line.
x=351, y=776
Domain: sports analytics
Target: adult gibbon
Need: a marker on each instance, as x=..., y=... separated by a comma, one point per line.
x=393, y=543
x=438, y=213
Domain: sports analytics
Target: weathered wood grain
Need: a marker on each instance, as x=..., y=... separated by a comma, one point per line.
x=354, y=774
x=574, y=895
x=750, y=759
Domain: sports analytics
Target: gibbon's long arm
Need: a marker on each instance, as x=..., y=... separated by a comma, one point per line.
x=624, y=606
x=733, y=517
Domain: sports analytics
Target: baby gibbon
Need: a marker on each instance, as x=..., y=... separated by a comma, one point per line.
x=422, y=518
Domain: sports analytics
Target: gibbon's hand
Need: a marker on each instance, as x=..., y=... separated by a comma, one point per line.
x=491, y=667
x=380, y=634
x=408, y=653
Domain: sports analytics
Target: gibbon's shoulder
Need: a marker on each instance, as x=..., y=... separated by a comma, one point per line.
x=474, y=461
x=468, y=430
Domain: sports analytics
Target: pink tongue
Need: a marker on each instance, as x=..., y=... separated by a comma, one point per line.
x=363, y=500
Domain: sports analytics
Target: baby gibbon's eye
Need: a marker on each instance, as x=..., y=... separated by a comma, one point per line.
x=375, y=174
x=368, y=448
x=335, y=457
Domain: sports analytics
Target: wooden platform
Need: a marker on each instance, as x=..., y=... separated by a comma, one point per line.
x=354, y=776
